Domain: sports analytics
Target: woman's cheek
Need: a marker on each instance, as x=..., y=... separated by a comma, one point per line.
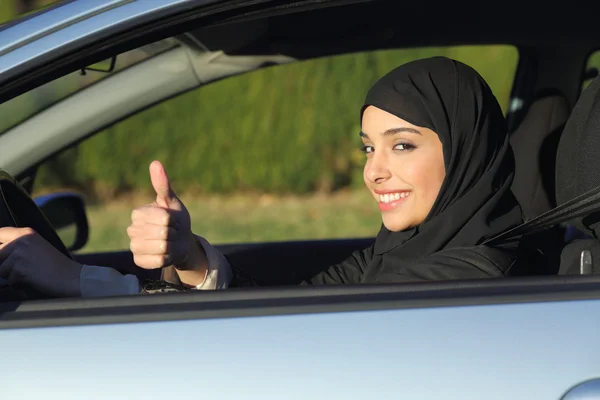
x=432, y=173
x=425, y=178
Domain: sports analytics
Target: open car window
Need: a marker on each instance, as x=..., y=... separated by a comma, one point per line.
x=270, y=155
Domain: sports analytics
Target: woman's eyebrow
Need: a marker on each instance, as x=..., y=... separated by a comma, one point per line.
x=393, y=131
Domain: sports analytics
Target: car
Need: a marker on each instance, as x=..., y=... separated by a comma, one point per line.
x=516, y=338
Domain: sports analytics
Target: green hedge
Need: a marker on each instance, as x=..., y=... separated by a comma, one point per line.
x=286, y=129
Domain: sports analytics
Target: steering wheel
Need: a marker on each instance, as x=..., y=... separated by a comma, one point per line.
x=18, y=210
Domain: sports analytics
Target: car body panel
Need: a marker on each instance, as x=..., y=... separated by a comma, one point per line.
x=526, y=351
x=72, y=30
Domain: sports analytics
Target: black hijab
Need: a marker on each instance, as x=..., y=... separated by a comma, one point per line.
x=475, y=201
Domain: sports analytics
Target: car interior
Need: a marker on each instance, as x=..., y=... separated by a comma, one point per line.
x=550, y=73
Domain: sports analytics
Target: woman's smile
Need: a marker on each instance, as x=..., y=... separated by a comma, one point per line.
x=391, y=199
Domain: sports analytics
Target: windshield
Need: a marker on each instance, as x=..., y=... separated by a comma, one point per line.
x=19, y=109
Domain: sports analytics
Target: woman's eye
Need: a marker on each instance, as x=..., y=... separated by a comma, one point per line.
x=367, y=149
x=403, y=146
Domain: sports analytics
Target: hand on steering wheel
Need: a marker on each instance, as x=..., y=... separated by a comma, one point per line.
x=32, y=256
x=28, y=259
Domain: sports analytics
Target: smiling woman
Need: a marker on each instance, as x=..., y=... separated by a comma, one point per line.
x=437, y=142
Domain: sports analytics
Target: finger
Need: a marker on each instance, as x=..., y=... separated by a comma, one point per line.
x=10, y=234
x=154, y=247
x=151, y=232
x=152, y=261
x=165, y=196
x=152, y=216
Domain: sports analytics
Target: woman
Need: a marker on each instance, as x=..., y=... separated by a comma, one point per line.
x=438, y=163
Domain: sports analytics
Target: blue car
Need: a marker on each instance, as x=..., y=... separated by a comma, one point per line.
x=525, y=338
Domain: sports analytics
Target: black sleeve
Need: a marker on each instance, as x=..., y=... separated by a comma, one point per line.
x=351, y=270
x=478, y=262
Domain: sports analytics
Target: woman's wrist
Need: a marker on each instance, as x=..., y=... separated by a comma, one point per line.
x=194, y=270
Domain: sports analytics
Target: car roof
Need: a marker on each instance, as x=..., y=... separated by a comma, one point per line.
x=29, y=45
x=43, y=32
x=409, y=24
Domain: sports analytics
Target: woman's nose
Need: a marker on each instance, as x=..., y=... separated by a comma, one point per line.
x=377, y=169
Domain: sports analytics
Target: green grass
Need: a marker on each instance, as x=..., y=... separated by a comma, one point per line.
x=252, y=218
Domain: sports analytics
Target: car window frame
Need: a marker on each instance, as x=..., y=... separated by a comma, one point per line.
x=319, y=299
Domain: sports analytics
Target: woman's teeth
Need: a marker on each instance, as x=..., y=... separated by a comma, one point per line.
x=389, y=197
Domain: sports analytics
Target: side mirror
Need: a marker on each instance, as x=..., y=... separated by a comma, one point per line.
x=66, y=213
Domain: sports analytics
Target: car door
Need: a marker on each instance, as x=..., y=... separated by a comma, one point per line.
x=530, y=338
x=492, y=340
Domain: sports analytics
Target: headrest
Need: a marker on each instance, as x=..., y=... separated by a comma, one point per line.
x=535, y=143
x=578, y=156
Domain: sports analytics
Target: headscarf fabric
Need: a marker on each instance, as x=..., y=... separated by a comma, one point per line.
x=475, y=201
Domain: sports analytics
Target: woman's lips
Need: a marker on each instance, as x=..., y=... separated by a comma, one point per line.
x=390, y=200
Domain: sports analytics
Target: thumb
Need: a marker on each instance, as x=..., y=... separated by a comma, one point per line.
x=165, y=197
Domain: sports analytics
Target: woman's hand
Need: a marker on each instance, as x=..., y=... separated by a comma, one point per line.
x=27, y=258
x=161, y=234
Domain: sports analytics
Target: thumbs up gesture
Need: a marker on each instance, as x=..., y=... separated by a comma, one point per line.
x=160, y=232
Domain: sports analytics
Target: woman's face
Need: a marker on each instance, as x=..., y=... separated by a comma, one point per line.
x=404, y=169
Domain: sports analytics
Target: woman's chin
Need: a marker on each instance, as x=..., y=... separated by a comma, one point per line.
x=395, y=224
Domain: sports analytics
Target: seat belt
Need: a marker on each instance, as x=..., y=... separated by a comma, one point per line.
x=581, y=206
